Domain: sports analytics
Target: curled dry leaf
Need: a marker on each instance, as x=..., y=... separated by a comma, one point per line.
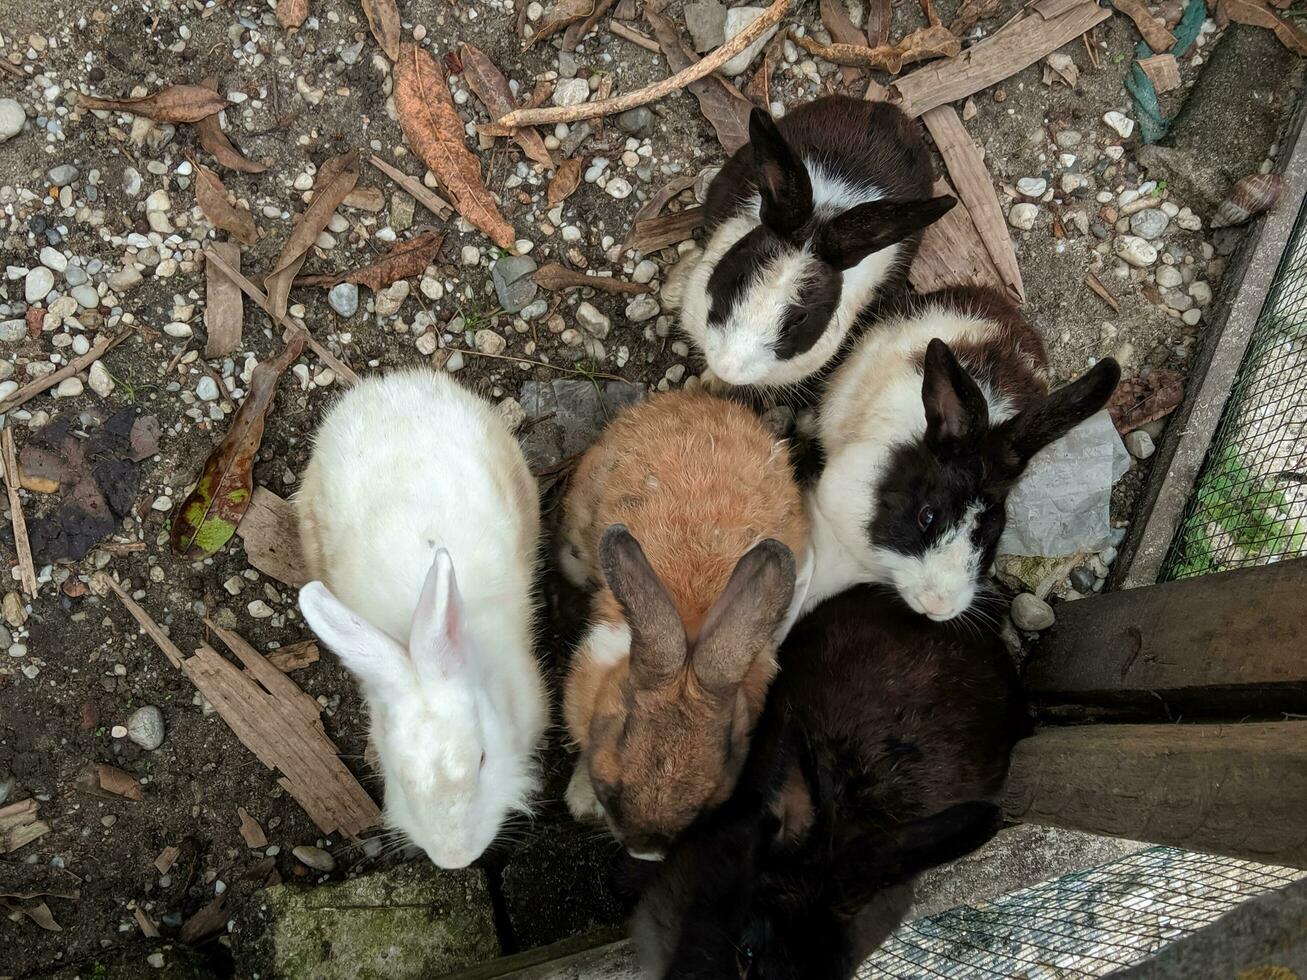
x=35, y=910
x=405, y=260
x=489, y=85
x=1060, y=66
x=218, y=208
x=566, y=180
x=922, y=44
x=383, y=19
x=336, y=179
x=113, y=780
x=292, y=13
x=971, y=13
x=1138, y=401
x=208, y=517
x=174, y=104
x=554, y=276
x=561, y=15
x=433, y=128
x=217, y=145
x=1259, y=14
x=724, y=107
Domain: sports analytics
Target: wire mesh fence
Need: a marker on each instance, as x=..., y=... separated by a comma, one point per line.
x=1085, y=924
x=1249, y=505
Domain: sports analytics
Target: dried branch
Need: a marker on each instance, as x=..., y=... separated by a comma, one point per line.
x=26, y=393
x=9, y=458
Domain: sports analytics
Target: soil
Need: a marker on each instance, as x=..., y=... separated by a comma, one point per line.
x=87, y=667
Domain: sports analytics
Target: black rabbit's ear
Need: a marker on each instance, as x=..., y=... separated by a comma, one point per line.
x=955, y=406
x=850, y=237
x=1027, y=433
x=783, y=182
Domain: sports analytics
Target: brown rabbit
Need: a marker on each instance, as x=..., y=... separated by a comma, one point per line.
x=686, y=518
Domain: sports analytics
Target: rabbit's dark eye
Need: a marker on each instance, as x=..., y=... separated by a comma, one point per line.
x=744, y=960
x=483, y=761
x=925, y=517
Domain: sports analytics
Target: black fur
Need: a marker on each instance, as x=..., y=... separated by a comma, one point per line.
x=890, y=733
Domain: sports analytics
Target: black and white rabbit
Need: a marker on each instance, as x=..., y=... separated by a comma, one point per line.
x=885, y=738
x=926, y=426
x=812, y=222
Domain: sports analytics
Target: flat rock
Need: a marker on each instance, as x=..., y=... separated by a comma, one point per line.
x=514, y=287
x=37, y=284
x=571, y=413
x=737, y=19
x=344, y=299
x=706, y=22
x=1149, y=224
x=145, y=726
x=12, y=119
x=411, y=921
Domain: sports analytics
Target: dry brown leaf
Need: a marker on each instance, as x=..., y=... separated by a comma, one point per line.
x=403, y=261
x=565, y=181
x=173, y=104
x=292, y=13
x=561, y=15
x=1259, y=14
x=880, y=17
x=1138, y=401
x=434, y=130
x=489, y=85
x=1061, y=66
x=250, y=829
x=336, y=179
x=271, y=537
x=922, y=44
x=835, y=17
x=971, y=13
x=37, y=911
x=383, y=19
x=113, y=780
x=1150, y=28
x=726, y=109
x=211, y=195
x=555, y=276
x=217, y=145
x=576, y=31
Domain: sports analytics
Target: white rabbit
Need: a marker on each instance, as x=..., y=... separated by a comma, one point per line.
x=412, y=477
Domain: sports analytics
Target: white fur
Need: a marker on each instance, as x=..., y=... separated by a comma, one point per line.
x=607, y=644
x=872, y=406
x=415, y=480
x=740, y=350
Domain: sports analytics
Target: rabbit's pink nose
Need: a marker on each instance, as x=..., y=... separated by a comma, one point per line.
x=934, y=604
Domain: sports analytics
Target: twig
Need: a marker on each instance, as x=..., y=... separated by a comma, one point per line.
x=101, y=347
x=651, y=93
x=104, y=581
x=428, y=198
x=295, y=326
x=634, y=36
x=543, y=364
x=1096, y=284
x=24, y=547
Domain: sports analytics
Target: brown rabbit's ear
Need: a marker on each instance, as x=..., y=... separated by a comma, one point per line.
x=657, y=636
x=743, y=621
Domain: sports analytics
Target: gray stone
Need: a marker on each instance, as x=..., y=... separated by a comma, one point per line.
x=571, y=91
x=1135, y=251
x=1140, y=444
x=514, y=286
x=1168, y=277
x=1032, y=186
x=1068, y=139
x=706, y=22
x=314, y=857
x=637, y=122
x=63, y=175
x=410, y=921
x=1082, y=580
x=737, y=19
x=86, y=296
x=38, y=284
x=1149, y=224
x=1029, y=612
x=344, y=299
x=571, y=411
x=75, y=275
x=641, y=308
x=1023, y=215
x=206, y=389
x=592, y=321
x=13, y=331
x=12, y=119
x=145, y=726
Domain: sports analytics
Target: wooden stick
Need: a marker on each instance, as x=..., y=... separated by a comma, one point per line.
x=290, y=323
x=1096, y=284
x=651, y=93
x=101, y=347
x=10, y=460
x=634, y=36
x=105, y=582
x=424, y=195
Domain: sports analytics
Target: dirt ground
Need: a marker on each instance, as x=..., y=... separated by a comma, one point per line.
x=77, y=667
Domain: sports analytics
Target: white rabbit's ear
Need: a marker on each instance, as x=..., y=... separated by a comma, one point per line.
x=368, y=653
x=436, y=636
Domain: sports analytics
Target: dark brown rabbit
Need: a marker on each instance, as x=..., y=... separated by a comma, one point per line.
x=885, y=737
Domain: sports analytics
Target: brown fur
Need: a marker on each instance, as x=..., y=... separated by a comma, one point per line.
x=698, y=482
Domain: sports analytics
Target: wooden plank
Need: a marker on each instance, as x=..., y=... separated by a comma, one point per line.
x=651, y=234
x=1239, y=790
x=224, y=306
x=967, y=171
x=1213, y=642
x=1015, y=47
x=952, y=253
x=1188, y=436
x=270, y=533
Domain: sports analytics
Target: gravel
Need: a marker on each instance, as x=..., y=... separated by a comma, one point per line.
x=592, y=321
x=344, y=299
x=145, y=727
x=37, y=284
x=1150, y=224
x=12, y=119
x=1031, y=613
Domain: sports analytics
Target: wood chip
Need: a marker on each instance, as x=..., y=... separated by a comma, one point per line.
x=424, y=195
x=224, y=307
x=270, y=534
x=274, y=680
x=113, y=780
x=103, y=582
x=1000, y=56
x=952, y=253
x=1096, y=284
x=103, y=344
x=143, y=921
x=20, y=825
x=635, y=37
x=555, y=277
x=650, y=234
x=9, y=459
x=251, y=831
x=1150, y=28
x=725, y=109
x=1163, y=71
x=211, y=919
x=967, y=172
x=295, y=656
x=166, y=859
